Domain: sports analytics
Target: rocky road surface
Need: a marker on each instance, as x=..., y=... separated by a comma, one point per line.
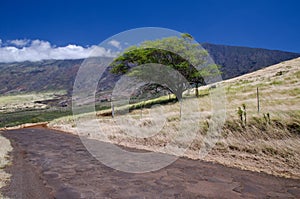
x=53, y=164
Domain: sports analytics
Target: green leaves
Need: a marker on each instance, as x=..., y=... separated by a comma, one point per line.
x=180, y=53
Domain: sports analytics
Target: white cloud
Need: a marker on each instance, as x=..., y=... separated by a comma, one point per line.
x=19, y=42
x=37, y=50
x=115, y=43
x=0, y=42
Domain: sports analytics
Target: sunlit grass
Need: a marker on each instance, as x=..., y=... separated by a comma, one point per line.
x=18, y=102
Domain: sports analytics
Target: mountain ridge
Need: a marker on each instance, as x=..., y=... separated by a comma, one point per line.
x=248, y=59
x=60, y=74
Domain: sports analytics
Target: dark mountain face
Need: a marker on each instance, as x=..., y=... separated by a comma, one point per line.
x=236, y=61
x=38, y=76
x=60, y=74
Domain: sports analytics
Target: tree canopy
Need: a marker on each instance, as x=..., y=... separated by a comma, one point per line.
x=179, y=53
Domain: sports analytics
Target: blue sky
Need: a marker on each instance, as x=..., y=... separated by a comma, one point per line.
x=268, y=24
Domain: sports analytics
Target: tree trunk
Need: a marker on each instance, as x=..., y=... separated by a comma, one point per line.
x=180, y=108
x=179, y=98
x=196, y=90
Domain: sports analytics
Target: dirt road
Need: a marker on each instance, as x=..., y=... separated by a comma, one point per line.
x=52, y=164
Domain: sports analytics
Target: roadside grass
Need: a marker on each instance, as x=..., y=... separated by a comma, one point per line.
x=139, y=105
x=4, y=161
x=251, y=145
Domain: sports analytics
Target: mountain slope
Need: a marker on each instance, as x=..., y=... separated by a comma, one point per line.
x=60, y=74
x=236, y=61
x=38, y=76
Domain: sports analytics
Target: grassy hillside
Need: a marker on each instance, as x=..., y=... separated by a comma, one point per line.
x=268, y=141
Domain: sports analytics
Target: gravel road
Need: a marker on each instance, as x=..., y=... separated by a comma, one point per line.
x=53, y=164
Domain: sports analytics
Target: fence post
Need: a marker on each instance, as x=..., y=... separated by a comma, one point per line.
x=257, y=96
x=112, y=110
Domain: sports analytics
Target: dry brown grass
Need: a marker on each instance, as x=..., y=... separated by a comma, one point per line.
x=272, y=148
x=4, y=161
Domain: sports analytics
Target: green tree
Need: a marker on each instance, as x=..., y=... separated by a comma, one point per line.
x=179, y=53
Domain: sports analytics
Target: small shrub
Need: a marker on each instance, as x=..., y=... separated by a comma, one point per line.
x=234, y=148
x=259, y=123
x=267, y=118
x=294, y=128
x=233, y=126
x=173, y=118
x=278, y=124
x=242, y=113
x=279, y=73
x=250, y=150
x=269, y=151
x=276, y=82
x=35, y=120
x=204, y=127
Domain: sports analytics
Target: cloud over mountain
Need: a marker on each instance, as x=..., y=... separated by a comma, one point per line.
x=19, y=42
x=36, y=50
x=115, y=44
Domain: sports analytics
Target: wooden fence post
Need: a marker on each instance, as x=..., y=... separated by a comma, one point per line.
x=112, y=110
x=257, y=96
